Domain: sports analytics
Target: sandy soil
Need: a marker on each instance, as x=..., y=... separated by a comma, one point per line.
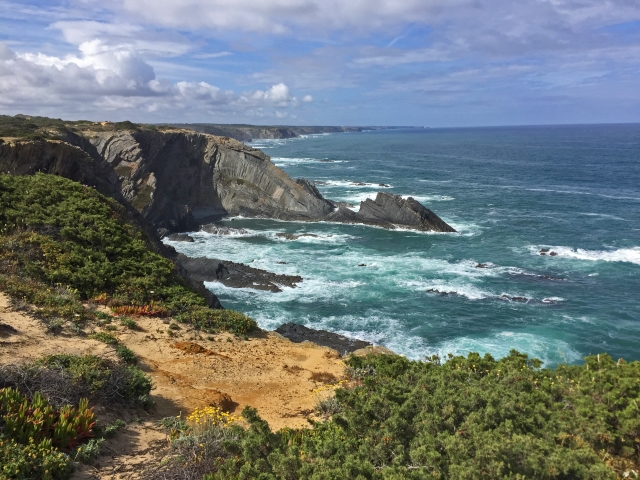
x=267, y=372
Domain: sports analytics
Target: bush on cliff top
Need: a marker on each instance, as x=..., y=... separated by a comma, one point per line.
x=469, y=418
x=62, y=243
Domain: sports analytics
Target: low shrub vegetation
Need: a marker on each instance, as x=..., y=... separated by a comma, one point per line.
x=62, y=243
x=65, y=379
x=46, y=423
x=34, y=435
x=467, y=418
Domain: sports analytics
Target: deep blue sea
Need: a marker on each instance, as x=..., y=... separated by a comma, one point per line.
x=509, y=192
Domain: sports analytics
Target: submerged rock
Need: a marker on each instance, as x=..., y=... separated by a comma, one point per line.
x=299, y=333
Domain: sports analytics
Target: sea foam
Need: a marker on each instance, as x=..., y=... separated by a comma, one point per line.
x=628, y=255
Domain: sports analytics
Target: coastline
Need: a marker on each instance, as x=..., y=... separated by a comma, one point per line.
x=191, y=370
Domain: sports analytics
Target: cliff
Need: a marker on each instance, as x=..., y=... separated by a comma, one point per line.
x=179, y=179
x=247, y=133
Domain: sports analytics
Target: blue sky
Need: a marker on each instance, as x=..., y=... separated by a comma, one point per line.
x=323, y=62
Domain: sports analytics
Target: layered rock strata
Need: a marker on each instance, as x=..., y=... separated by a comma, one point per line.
x=235, y=275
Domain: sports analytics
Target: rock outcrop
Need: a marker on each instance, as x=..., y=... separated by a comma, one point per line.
x=392, y=211
x=179, y=179
x=236, y=275
x=299, y=333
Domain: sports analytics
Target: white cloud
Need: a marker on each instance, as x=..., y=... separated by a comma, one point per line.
x=514, y=18
x=104, y=79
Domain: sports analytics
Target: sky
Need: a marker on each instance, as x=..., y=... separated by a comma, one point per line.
x=433, y=63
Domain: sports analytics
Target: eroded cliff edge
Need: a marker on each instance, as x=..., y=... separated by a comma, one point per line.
x=177, y=180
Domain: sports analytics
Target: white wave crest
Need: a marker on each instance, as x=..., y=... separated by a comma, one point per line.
x=465, y=290
x=628, y=255
x=429, y=198
x=352, y=184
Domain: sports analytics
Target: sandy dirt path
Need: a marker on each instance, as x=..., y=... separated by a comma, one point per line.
x=267, y=372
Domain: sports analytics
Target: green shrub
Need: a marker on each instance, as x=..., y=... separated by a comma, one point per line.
x=104, y=337
x=33, y=460
x=57, y=232
x=99, y=378
x=111, y=430
x=88, y=452
x=130, y=323
x=468, y=418
x=126, y=354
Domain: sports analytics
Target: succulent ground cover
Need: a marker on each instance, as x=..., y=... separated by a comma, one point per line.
x=46, y=422
x=62, y=243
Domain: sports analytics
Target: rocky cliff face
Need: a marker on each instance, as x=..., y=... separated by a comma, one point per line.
x=179, y=179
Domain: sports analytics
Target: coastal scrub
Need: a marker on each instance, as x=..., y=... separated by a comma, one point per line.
x=62, y=243
x=467, y=418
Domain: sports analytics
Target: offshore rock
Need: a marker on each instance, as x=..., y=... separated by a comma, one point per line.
x=235, y=275
x=180, y=237
x=299, y=333
x=221, y=230
x=179, y=179
x=392, y=211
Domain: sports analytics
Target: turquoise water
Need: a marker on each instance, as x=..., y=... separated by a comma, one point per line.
x=509, y=192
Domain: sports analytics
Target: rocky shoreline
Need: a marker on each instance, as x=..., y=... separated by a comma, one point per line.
x=172, y=181
x=235, y=275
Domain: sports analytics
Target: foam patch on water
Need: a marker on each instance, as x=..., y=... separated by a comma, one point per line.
x=352, y=184
x=285, y=162
x=429, y=198
x=447, y=288
x=317, y=238
x=549, y=350
x=628, y=255
x=354, y=198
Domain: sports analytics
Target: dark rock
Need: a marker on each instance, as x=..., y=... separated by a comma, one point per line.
x=384, y=185
x=548, y=277
x=440, y=292
x=282, y=263
x=515, y=299
x=180, y=237
x=222, y=230
x=310, y=188
x=299, y=333
x=163, y=232
x=544, y=250
x=392, y=210
x=483, y=265
x=235, y=275
x=362, y=265
x=553, y=254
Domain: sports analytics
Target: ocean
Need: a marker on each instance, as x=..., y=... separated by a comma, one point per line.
x=510, y=192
